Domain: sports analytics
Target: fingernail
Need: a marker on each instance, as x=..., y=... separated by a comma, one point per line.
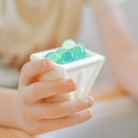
x=48, y=63
x=88, y=113
x=51, y=65
x=72, y=84
x=89, y=100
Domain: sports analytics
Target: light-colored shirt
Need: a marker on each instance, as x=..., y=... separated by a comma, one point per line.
x=28, y=26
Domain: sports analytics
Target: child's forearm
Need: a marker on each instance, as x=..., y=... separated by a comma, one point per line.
x=119, y=47
x=115, y=33
x=7, y=108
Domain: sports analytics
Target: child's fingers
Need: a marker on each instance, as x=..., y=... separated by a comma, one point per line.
x=50, y=125
x=58, y=110
x=40, y=90
x=32, y=69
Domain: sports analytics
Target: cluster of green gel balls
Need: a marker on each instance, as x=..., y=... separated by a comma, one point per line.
x=69, y=52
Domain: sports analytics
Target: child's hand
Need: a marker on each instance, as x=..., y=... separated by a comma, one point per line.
x=36, y=116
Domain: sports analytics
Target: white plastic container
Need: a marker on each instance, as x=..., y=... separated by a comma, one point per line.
x=84, y=72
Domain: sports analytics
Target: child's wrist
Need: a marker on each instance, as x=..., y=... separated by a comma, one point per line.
x=14, y=111
x=9, y=116
x=99, y=5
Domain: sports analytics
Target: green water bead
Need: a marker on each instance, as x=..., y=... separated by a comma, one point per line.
x=68, y=57
x=69, y=52
x=79, y=52
x=68, y=44
x=60, y=61
x=60, y=52
x=52, y=56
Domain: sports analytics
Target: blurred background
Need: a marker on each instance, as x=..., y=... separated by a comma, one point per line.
x=90, y=37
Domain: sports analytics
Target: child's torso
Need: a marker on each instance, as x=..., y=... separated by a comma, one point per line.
x=28, y=26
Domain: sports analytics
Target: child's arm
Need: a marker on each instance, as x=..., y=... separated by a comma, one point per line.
x=7, y=115
x=119, y=46
x=27, y=109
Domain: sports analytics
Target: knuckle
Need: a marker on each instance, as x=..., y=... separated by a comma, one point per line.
x=58, y=111
x=28, y=113
x=23, y=98
x=76, y=107
x=23, y=70
x=35, y=90
x=78, y=119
